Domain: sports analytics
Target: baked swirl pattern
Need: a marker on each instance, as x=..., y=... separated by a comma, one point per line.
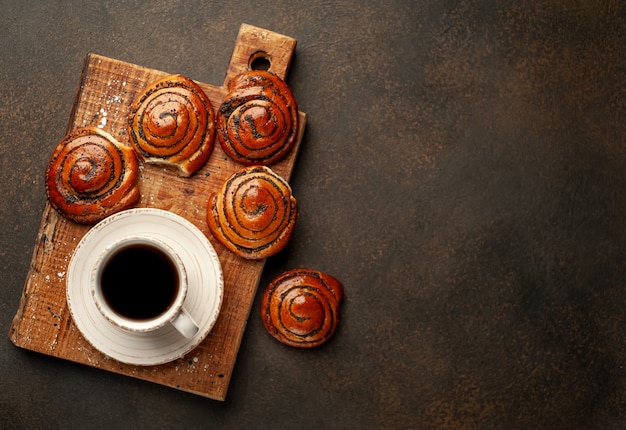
x=258, y=121
x=254, y=213
x=172, y=123
x=301, y=307
x=91, y=176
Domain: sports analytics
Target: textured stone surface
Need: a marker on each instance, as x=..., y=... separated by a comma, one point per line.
x=463, y=174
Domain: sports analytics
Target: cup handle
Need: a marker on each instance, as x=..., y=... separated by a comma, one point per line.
x=185, y=324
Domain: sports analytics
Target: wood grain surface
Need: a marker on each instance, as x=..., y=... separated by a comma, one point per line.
x=43, y=322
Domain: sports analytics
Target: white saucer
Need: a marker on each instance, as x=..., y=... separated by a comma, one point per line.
x=203, y=301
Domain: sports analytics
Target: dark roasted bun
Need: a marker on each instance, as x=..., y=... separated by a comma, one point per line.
x=258, y=121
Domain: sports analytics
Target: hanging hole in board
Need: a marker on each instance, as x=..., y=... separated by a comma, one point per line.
x=260, y=60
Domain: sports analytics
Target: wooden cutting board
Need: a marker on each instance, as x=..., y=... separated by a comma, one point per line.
x=43, y=322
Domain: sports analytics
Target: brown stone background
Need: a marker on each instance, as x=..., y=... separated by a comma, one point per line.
x=463, y=173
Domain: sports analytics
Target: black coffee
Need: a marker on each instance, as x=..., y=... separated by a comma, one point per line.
x=139, y=282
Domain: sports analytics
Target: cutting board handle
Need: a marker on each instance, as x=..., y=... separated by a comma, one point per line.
x=257, y=48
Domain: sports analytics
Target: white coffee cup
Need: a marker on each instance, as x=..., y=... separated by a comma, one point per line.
x=139, y=283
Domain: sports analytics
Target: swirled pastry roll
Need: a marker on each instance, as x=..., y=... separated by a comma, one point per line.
x=172, y=123
x=258, y=120
x=254, y=213
x=90, y=176
x=301, y=307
